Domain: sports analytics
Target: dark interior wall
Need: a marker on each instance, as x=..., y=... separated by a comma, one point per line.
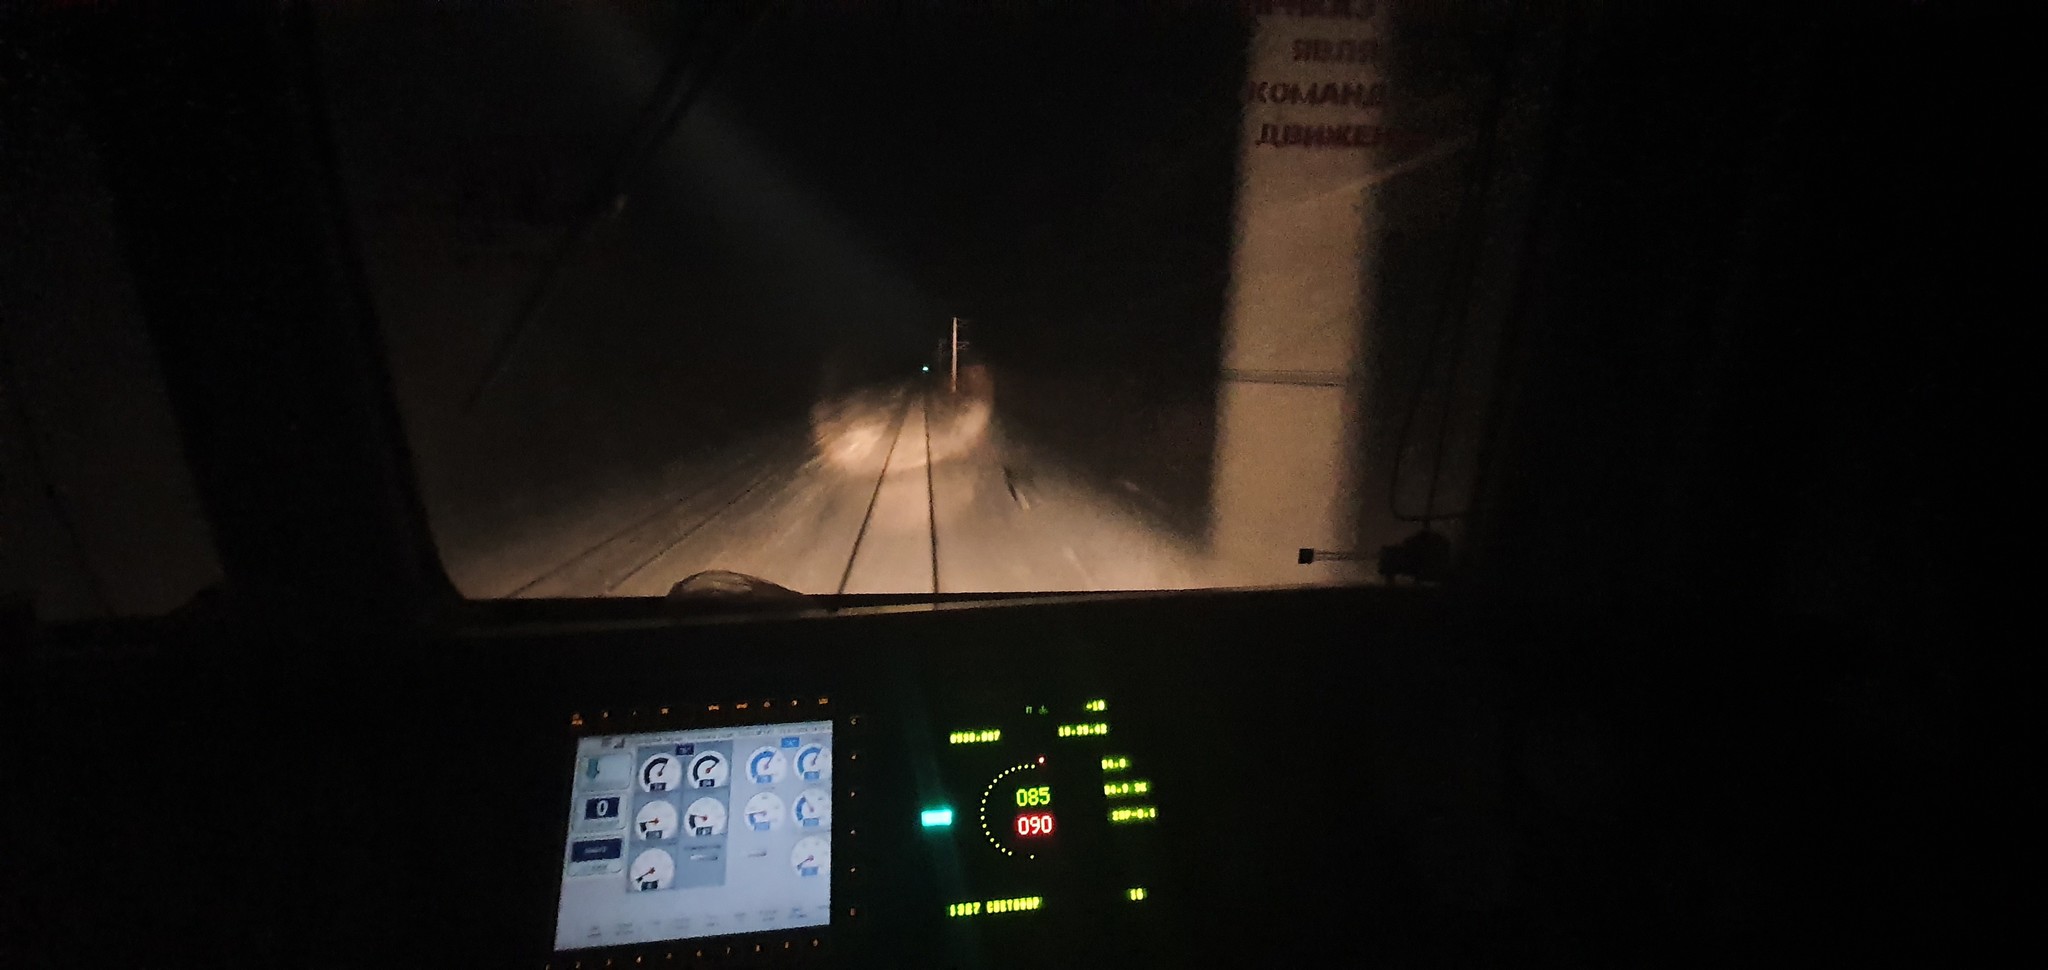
x=1734, y=376
x=1744, y=389
x=101, y=515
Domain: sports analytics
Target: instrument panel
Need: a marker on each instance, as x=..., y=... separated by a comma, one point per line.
x=950, y=830
x=861, y=791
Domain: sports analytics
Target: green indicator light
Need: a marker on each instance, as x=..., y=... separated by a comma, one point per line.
x=1136, y=893
x=1115, y=764
x=1083, y=730
x=1125, y=816
x=975, y=737
x=1096, y=705
x=936, y=818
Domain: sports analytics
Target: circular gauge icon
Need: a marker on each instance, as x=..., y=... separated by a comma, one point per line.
x=813, y=810
x=814, y=762
x=812, y=856
x=765, y=765
x=661, y=772
x=763, y=811
x=706, y=817
x=709, y=770
x=651, y=870
x=656, y=821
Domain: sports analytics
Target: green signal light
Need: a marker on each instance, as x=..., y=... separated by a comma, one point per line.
x=936, y=818
x=1136, y=893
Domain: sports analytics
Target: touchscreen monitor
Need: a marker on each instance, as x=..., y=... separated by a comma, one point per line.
x=688, y=833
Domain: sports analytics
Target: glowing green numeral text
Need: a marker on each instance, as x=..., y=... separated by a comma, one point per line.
x=1083, y=730
x=1042, y=795
x=1096, y=705
x=1117, y=789
x=974, y=737
x=1019, y=904
x=1115, y=764
x=1142, y=813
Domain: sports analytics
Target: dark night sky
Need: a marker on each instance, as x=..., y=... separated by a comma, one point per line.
x=845, y=184
x=983, y=160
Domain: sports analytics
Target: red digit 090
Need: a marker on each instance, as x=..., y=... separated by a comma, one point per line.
x=1032, y=824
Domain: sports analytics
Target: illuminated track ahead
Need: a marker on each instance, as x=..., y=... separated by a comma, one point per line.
x=888, y=490
x=881, y=480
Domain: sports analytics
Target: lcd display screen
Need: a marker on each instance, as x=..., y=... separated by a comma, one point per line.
x=680, y=834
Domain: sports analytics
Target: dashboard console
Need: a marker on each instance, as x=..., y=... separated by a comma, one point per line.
x=1100, y=783
x=976, y=823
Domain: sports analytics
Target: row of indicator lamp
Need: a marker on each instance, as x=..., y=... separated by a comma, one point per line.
x=1096, y=729
x=975, y=737
x=576, y=718
x=1020, y=904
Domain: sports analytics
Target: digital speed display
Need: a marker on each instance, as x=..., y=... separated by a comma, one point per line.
x=1014, y=807
x=1056, y=804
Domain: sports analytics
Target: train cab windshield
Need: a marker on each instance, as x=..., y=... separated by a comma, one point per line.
x=938, y=298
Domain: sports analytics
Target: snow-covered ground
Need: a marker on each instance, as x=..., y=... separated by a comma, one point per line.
x=897, y=489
